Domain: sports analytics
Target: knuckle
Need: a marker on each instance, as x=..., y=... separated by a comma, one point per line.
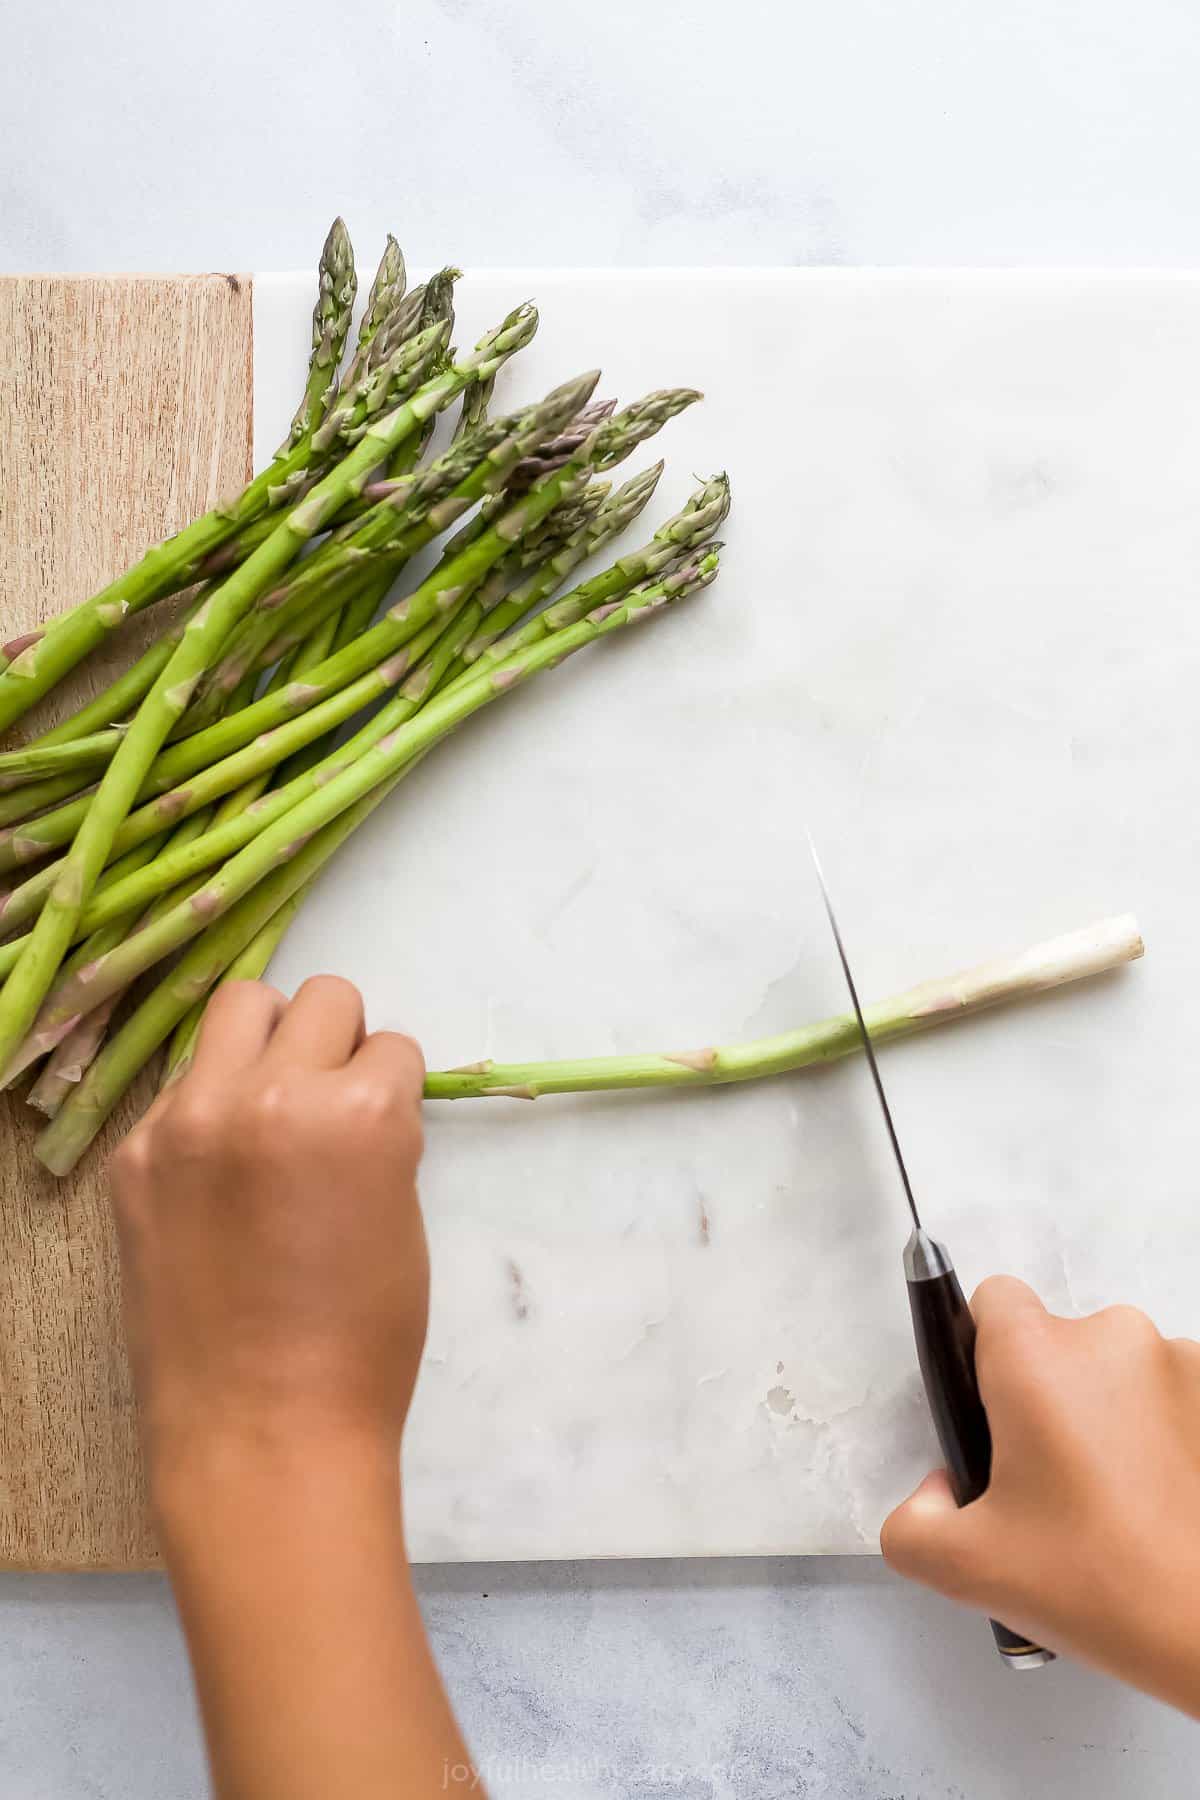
x=273, y=1106
x=129, y=1166
x=195, y=1119
x=367, y=1102
x=1126, y=1325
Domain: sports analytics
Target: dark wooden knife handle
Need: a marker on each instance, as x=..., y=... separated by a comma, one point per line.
x=945, y=1334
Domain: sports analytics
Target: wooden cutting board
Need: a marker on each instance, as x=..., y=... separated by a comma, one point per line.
x=125, y=410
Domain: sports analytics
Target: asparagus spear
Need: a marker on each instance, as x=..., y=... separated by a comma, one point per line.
x=123, y=695
x=33, y=797
x=678, y=537
x=68, y=1135
x=387, y=290
x=65, y=1065
x=424, y=307
x=612, y=517
x=34, y=972
x=1069, y=958
x=32, y=665
x=374, y=647
x=228, y=912
x=337, y=287
x=247, y=771
x=401, y=523
x=262, y=727
x=87, y=987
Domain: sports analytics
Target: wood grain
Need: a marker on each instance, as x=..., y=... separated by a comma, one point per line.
x=126, y=411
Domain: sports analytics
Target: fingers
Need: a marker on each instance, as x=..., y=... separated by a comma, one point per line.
x=321, y=1028
x=238, y=1024
x=392, y=1061
x=1002, y=1298
x=927, y=1538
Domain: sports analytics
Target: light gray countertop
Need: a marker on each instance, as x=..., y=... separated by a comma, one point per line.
x=877, y=131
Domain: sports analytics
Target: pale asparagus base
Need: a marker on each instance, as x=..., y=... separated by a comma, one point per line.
x=1089, y=951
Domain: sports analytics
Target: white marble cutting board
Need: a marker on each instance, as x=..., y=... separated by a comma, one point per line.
x=957, y=632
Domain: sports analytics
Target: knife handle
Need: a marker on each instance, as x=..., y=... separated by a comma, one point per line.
x=945, y=1334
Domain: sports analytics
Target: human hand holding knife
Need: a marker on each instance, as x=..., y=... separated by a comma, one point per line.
x=945, y=1334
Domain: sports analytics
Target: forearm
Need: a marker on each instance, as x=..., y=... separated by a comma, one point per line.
x=311, y=1661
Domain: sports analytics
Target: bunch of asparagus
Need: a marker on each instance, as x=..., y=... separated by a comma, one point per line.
x=161, y=839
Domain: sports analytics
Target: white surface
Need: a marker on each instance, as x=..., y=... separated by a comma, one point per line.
x=144, y=136
x=955, y=631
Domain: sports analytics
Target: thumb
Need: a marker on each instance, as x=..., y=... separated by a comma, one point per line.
x=929, y=1539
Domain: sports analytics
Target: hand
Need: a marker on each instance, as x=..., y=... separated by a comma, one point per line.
x=276, y=1274
x=276, y=1290
x=1088, y=1537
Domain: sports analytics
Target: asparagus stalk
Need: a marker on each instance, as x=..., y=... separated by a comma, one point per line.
x=123, y=695
x=1090, y=951
x=245, y=774
x=675, y=539
x=33, y=797
x=23, y=768
x=401, y=523
x=174, y=1000
x=611, y=517
x=269, y=748
x=337, y=286
x=68, y=1135
x=32, y=665
x=408, y=514
x=425, y=306
x=66, y=1065
x=278, y=843
x=375, y=647
x=30, y=980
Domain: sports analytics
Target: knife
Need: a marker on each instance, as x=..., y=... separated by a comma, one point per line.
x=945, y=1334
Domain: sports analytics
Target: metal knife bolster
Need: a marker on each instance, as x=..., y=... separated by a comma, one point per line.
x=945, y=1333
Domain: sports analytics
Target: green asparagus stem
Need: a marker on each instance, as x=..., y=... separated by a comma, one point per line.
x=32, y=797
x=66, y=1138
x=66, y=1065
x=31, y=978
x=401, y=524
x=613, y=515
x=1078, y=955
x=122, y=696
x=280, y=842
x=677, y=539
x=245, y=774
x=336, y=289
x=30, y=666
x=375, y=647
x=408, y=514
x=383, y=309
x=21, y=768
x=940, y=1002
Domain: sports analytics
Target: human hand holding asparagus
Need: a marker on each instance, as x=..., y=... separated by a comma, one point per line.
x=276, y=1287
